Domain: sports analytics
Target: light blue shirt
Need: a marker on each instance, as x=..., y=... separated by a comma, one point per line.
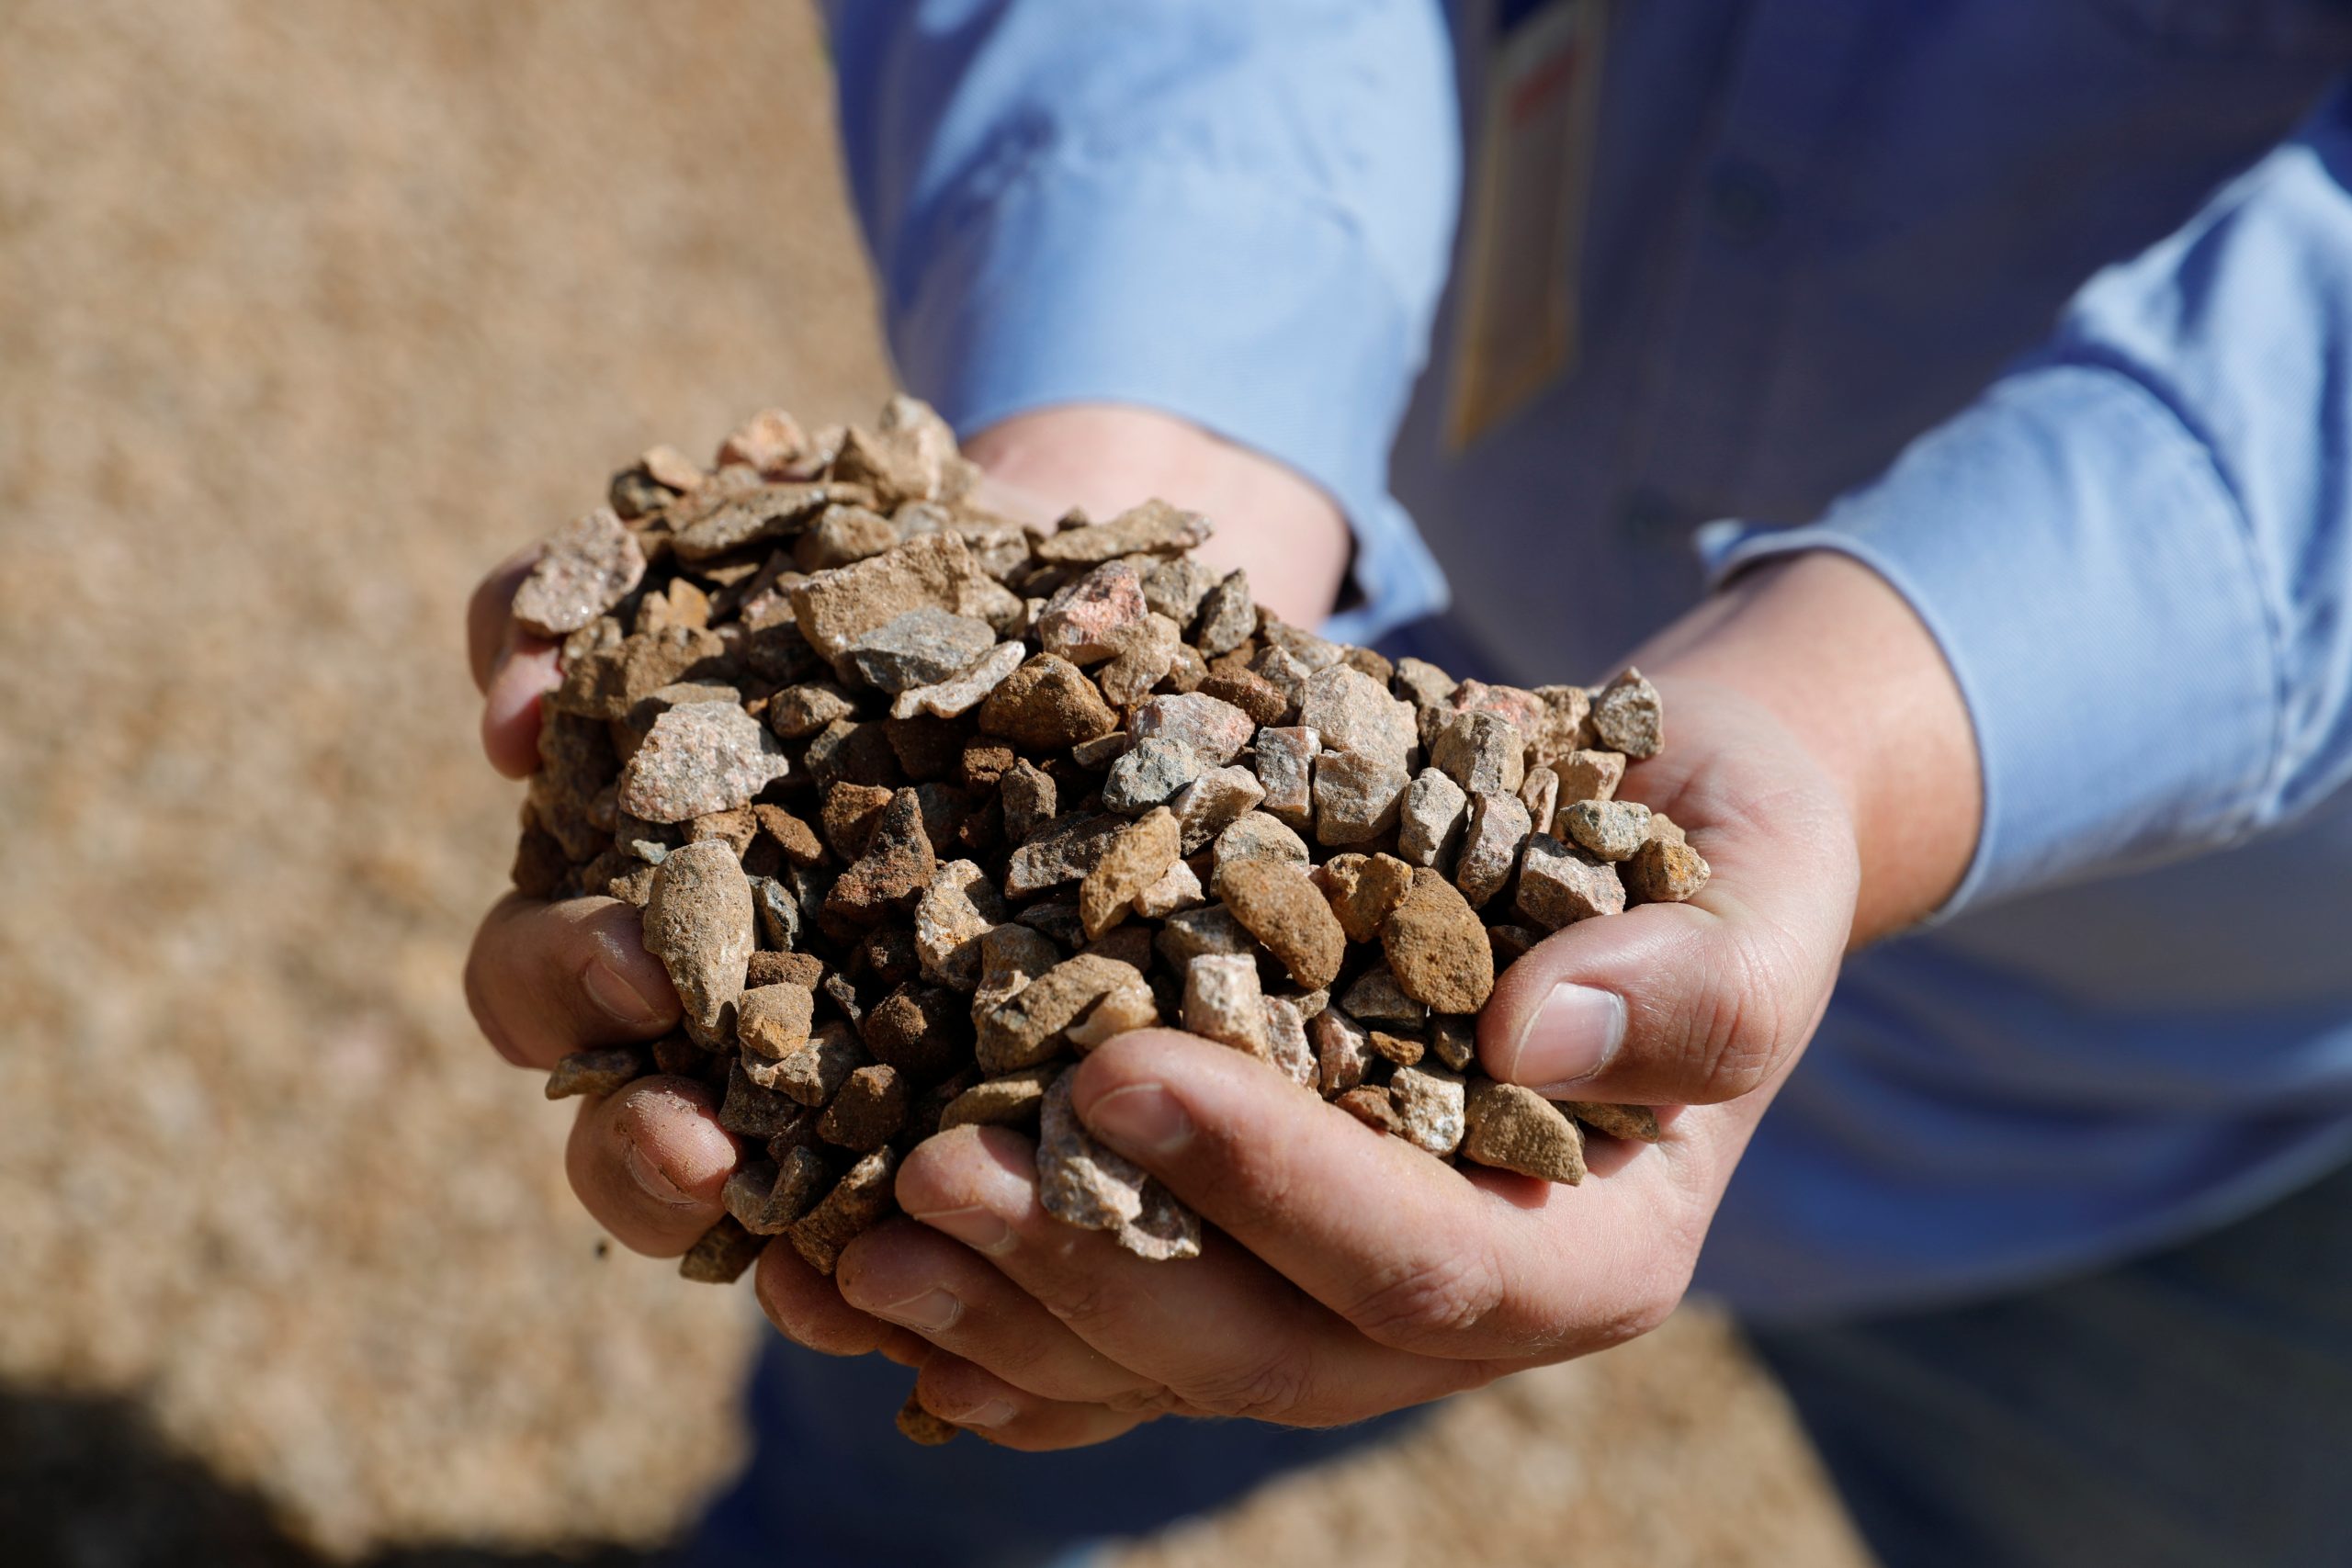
x=2040, y=308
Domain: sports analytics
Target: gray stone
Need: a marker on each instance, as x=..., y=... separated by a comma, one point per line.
x=1431, y=1103
x=1356, y=797
x=1148, y=774
x=1561, y=884
x=1499, y=825
x=1207, y=806
x=1430, y=822
x=698, y=923
x=1352, y=712
x=1482, y=753
x=920, y=648
x=1214, y=728
x=1612, y=829
x=699, y=758
x=1285, y=761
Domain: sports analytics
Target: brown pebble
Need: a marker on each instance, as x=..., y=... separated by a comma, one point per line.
x=1436, y=948
x=773, y=1020
x=1276, y=903
x=1628, y=716
x=1636, y=1123
x=1138, y=857
x=1512, y=1128
x=1011, y=1101
x=869, y=1110
x=919, y=1426
x=1046, y=704
x=859, y=1202
x=1664, y=871
x=1402, y=1050
x=587, y=566
x=1252, y=692
x=698, y=922
x=1363, y=889
x=801, y=969
x=603, y=1069
x=1369, y=1104
x=1031, y=1027
x=725, y=1250
x=766, y=1195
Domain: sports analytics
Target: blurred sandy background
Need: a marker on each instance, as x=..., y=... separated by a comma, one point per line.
x=306, y=313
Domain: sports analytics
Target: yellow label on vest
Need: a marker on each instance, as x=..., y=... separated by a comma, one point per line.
x=1516, y=331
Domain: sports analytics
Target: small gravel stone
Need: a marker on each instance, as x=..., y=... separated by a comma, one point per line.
x=1153, y=528
x=798, y=712
x=1063, y=850
x=1371, y=1104
x=1636, y=1123
x=1276, y=903
x=815, y=1073
x=699, y=758
x=1144, y=654
x=1083, y=1183
x=868, y=1110
x=1047, y=705
x=1431, y=819
x=1628, y=716
x=922, y=648
x=1011, y=957
x=1031, y=799
x=1147, y=773
x=956, y=910
x=1223, y=1002
x=1356, y=797
x=1498, y=827
x=1436, y=948
x=1512, y=1128
x=1083, y=620
x=1285, y=762
x=1227, y=616
x=1483, y=753
x=1540, y=793
x=1561, y=884
x=834, y=609
x=1256, y=836
x=1375, y=998
x=1429, y=1103
x=1178, y=888
x=605, y=1069
x=1567, y=718
x=1175, y=588
x=1011, y=1101
x=1252, y=693
x=1402, y=1050
x=1454, y=1039
x=1363, y=889
x=861, y=1201
x=698, y=923
x=1349, y=711
x=1286, y=1035
x=1214, y=730
x=1588, y=776
x=842, y=535
x=1213, y=802
x=774, y=1022
x=1612, y=829
x=1194, y=933
x=1343, y=1051
x=965, y=689
x=587, y=568
x=1128, y=1005
x=723, y=1253
x=897, y=865
x=1138, y=857
x=766, y=1195
x=1031, y=1027
x=1664, y=871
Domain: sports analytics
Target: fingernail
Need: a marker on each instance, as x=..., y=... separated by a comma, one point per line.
x=624, y=1003
x=649, y=1180
x=995, y=1413
x=1141, y=1118
x=928, y=1311
x=975, y=1227
x=1572, y=1036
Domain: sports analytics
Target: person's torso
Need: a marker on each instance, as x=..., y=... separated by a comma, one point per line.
x=1812, y=230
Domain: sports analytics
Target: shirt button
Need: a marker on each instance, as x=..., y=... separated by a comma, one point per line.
x=1743, y=201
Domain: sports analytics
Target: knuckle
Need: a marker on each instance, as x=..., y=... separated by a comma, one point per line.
x=1264, y=1388
x=1743, y=1032
x=1425, y=1301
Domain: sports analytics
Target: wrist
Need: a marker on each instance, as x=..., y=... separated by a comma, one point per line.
x=1832, y=650
x=1287, y=533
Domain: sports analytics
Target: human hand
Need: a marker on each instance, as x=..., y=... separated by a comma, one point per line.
x=1348, y=1274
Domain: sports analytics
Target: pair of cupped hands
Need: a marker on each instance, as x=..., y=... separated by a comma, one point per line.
x=1344, y=1273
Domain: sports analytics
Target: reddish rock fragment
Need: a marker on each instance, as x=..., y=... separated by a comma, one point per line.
x=1276, y=903
x=586, y=568
x=1512, y=1128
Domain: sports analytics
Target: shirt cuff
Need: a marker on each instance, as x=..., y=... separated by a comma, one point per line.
x=2074, y=550
x=1231, y=302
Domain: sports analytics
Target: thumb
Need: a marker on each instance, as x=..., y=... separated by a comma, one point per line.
x=1691, y=1003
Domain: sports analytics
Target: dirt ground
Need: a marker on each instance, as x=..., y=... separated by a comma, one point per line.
x=307, y=313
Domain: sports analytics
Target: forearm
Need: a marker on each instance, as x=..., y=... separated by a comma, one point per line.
x=1838, y=656
x=1287, y=534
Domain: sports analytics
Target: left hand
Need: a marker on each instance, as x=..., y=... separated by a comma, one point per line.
x=1347, y=1274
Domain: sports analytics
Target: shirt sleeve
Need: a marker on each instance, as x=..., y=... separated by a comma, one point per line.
x=2135, y=550
x=1236, y=213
